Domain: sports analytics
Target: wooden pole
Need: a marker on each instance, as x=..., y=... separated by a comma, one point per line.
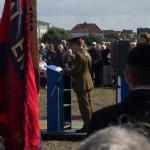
x=33, y=28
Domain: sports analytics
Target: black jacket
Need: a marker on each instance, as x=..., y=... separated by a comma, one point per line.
x=50, y=57
x=135, y=108
x=94, y=55
x=105, y=58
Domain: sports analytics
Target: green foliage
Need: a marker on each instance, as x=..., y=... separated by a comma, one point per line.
x=112, y=37
x=91, y=38
x=54, y=35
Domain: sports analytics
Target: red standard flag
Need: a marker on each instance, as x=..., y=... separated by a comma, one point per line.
x=19, y=122
x=34, y=45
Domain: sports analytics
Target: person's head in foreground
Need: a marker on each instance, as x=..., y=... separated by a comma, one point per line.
x=116, y=138
x=137, y=72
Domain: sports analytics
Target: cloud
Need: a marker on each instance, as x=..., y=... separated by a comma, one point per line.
x=108, y=14
x=91, y=7
x=105, y=13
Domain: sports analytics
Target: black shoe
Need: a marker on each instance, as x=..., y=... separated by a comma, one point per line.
x=82, y=130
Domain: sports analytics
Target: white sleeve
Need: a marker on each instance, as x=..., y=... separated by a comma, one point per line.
x=42, y=66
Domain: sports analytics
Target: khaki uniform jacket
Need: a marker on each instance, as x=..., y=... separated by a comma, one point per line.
x=80, y=72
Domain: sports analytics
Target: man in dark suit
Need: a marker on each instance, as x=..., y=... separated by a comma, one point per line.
x=95, y=69
x=136, y=107
x=82, y=79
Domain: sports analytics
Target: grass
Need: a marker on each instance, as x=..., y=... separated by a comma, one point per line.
x=101, y=97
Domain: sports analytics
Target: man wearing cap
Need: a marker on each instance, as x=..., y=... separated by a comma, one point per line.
x=136, y=106
x=82, y=79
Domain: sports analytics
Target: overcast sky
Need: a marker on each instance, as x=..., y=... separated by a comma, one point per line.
x=107, y=14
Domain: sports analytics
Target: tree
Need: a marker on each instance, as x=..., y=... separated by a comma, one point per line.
x=54, y=35
x=91, y=38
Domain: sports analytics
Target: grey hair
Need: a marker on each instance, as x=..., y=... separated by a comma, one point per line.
x=63, y=42
x=60, y=46
x=116, y=138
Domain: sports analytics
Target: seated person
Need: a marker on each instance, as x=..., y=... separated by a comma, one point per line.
x=116, y=138
x=136, y=106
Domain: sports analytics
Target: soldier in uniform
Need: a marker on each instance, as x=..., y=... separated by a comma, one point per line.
x=82, y=79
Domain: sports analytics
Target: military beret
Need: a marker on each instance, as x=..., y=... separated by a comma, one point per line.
x=139, y=57
x=76, y=39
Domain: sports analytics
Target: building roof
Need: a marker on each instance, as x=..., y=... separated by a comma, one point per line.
x=140, y=30
x=86, y=27
x=127, y=31
x=42, y=22
x=109, y=32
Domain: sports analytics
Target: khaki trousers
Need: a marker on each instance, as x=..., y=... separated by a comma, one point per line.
x=85, y=107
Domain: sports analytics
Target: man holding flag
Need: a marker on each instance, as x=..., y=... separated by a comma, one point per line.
x=19, y=122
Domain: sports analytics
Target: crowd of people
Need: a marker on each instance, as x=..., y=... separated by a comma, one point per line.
x=101, y=69
x=49, y=55
x=131, y=117
x=91, y=67
x=62, y=56
x=59, y=56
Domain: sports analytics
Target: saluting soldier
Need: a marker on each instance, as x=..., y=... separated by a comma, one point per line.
x=82, y=79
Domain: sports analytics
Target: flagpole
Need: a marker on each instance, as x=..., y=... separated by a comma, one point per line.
x=33, y=29
x=34, y=40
